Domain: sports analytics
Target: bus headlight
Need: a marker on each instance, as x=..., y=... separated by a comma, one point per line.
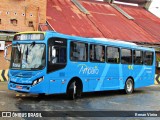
x=37, y=81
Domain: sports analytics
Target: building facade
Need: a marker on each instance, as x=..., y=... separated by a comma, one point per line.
x=22, y=15
x=16, y=16
x=87, y=18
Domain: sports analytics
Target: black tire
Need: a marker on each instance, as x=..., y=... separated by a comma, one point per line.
x=71, y=91
x=74, y=90
x=129, y=86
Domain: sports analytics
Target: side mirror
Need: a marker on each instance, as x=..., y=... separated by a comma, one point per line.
x=6, y=52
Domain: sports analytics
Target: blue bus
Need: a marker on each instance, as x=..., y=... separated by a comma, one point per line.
x=54, y=63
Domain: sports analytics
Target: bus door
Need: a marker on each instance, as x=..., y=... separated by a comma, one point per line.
x=57, y=60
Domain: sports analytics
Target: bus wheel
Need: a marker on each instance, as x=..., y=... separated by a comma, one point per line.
x=74, y=90
x=129, y=86
x=71, y=90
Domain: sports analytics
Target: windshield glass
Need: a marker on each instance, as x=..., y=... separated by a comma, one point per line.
x=28, y=56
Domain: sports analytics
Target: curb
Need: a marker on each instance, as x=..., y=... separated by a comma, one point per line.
x=3, y=75
x=157, y=79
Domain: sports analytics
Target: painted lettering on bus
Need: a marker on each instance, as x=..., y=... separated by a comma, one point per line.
x=84, y=69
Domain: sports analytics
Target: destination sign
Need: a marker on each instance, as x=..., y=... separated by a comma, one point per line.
x=30, y=36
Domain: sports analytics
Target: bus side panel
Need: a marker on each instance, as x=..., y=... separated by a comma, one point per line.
x=145, y=76
x=55, y=81
x=138, y=75
x=58, y=80
x=112, y=77
x=95, y=76
x=127, y=71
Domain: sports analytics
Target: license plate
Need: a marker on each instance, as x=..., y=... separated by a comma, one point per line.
x=19, y=87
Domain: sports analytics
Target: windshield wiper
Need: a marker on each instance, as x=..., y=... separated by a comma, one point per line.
x=26, y=53
x=19, y=49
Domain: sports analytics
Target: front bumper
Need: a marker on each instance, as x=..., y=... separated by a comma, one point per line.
x=27, y=88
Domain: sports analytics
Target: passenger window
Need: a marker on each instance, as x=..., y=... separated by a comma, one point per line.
x=97, y=53
x=113, y=54
x=126, y=56
x=148, y=58
x=138, y=57
x=79, y=51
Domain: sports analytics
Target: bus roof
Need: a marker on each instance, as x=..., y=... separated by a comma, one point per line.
x=118, y=43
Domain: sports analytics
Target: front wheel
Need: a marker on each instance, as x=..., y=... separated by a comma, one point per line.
x=74, y=90
x=129, y=86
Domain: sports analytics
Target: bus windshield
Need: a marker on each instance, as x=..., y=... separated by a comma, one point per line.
x=28, y=56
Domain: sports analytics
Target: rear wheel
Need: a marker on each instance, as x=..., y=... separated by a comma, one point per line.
x=129, y=86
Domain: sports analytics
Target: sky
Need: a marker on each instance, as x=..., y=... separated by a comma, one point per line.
x=155, y=7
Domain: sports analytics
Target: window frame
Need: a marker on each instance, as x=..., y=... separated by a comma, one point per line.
x=14, y=22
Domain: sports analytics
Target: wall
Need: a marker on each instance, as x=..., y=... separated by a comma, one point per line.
x=24, y=11
x=157, y=60
x=4, y=64
x=15, y=15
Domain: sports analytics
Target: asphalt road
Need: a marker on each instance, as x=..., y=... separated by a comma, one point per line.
x=143, y=99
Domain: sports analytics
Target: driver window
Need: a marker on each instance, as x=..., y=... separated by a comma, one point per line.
x=53, y=55
x=57, y=54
